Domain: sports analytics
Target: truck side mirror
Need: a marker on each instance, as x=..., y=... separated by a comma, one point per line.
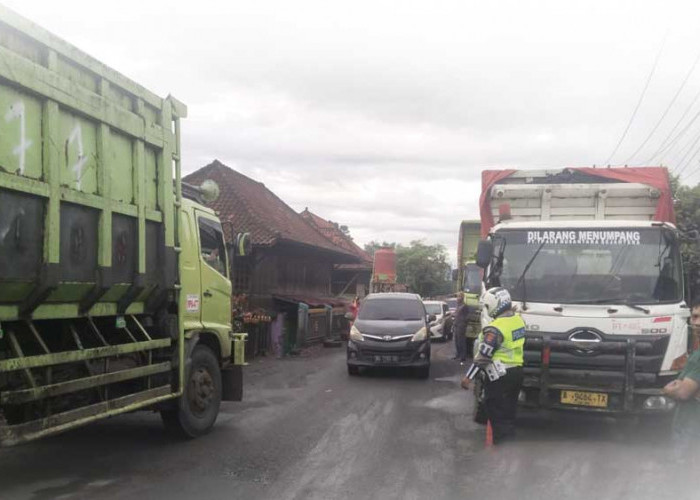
x=455, y=274
x=243, y=245
x=484, y=253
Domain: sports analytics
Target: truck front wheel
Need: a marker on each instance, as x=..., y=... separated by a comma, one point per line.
x=198, y=407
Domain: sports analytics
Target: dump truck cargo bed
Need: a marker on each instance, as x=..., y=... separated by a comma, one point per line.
x=86, y=182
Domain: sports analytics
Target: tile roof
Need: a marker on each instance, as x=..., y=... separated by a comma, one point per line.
x=332, y=232
x=253, y=208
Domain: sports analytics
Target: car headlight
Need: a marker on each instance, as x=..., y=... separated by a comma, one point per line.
x=420, y=335
x=355, y=334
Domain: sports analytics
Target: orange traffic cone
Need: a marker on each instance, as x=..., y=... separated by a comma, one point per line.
x=489, y=434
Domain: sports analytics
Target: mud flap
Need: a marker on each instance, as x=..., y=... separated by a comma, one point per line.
x=232, y=382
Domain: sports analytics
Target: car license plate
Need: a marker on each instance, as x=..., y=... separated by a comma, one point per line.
x=580, y=398
x=386, y=359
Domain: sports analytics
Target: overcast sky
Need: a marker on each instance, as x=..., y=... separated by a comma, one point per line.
x=381, y=115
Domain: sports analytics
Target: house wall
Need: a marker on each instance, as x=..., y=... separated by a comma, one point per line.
x=284, y=271
x=358, y=281
x=291, y=274
x=293, y=271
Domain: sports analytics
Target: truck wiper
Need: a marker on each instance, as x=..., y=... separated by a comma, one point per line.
x=496, y=266
x=522, y=276
x=616, y=300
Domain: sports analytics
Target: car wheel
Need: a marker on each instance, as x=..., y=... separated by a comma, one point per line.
x=423, y=372
x=198, y=407
x=353, y=370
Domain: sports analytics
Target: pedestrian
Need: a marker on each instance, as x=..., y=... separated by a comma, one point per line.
x=459, y=328
x=355, y=306
x=473, y=325
x=500, y=356
x=686, y=391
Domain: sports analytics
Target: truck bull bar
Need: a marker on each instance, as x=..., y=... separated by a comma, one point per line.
x=622, y=383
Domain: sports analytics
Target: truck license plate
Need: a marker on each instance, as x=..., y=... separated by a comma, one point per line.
x=579, y=398
x=386, y=359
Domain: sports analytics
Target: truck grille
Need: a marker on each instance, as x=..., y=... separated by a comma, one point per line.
x=608, y=354
x=613, y=361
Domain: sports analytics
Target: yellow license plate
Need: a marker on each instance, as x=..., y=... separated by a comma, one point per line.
x=579, y=398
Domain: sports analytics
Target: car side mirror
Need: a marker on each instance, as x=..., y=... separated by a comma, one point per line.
x=431, y=318
x=349, y=316
x=484, y=253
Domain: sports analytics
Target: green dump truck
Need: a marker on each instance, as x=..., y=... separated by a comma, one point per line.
x=469, y=275
x=114, y=286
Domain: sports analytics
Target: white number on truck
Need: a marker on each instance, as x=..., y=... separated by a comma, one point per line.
x=17, y=111
x=77, y=136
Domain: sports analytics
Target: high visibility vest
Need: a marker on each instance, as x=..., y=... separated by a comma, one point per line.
x=510, y=352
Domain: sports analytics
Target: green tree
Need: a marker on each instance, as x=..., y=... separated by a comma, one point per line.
x=687, y=208
x=424, y=268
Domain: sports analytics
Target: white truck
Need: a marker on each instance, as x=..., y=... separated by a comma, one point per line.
x=591, y=259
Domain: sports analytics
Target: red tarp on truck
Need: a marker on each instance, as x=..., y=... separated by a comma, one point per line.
x=656, y=177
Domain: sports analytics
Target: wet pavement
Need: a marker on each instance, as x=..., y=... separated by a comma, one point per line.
x=307, y=430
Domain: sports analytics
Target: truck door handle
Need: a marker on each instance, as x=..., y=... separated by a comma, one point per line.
x=207, y=293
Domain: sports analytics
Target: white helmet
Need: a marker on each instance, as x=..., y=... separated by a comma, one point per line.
x=496, y=301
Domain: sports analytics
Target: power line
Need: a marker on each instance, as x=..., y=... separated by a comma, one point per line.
x=668, y=108
x=641, y=98
x=690, y=159
x=671, y=145
x=663, y=143
x=691, y=174
x=685, y=150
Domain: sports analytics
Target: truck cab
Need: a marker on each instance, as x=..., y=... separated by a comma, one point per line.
x=599, y=284
x=205, y=295
x=114, y=284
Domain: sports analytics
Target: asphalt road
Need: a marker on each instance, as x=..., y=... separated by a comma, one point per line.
x=309, y=431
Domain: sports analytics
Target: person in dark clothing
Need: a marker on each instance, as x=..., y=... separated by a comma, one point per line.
x=500, y=358
x=686, y=391
x=459, y=329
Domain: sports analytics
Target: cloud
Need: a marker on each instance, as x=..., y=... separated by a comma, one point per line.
x=381, y=115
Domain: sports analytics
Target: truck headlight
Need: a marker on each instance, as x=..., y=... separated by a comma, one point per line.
x=355, y=334
x=420, y=335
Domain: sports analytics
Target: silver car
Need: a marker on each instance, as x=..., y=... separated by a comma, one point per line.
x=441, y=327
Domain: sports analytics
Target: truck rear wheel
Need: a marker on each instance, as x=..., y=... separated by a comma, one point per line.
x=198, y=407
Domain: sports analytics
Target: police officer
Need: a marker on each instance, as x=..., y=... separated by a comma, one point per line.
x=500, y=356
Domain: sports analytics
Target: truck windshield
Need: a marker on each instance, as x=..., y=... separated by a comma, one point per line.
x=472, y=279
x=640, y=266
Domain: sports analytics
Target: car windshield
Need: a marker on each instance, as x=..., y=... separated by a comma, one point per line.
x=392, y=309
x=583, y=266
x=433, y=308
